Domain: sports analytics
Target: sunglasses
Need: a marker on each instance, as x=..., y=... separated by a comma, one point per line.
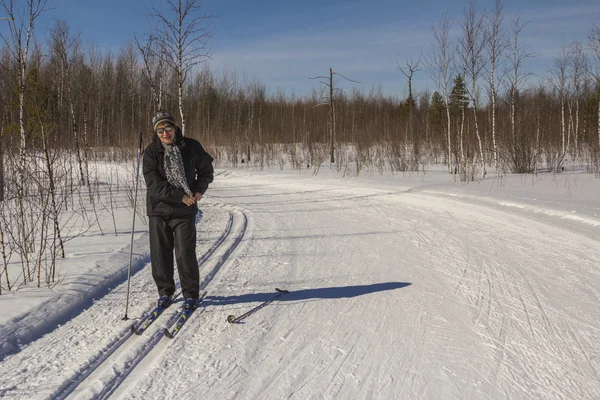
x=163, y=130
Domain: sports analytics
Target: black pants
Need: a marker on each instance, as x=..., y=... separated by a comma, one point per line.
x=179, y=234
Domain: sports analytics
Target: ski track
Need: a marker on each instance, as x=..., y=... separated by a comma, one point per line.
x=237, y=229
x=54, y=365
x=551, y=328
x=469, y=307
x=483, y=329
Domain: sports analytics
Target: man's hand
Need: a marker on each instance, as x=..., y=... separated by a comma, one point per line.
x=188, y=200
x=197, y=196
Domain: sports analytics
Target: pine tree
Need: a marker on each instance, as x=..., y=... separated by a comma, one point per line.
x=458, y=105
x=458, y=97
x=436, y=115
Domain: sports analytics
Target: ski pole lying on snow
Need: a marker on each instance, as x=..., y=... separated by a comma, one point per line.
x=233, y=319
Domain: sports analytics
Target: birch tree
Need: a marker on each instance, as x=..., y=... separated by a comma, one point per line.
x=577, y=70
x=151, y=69
x=1, y=160
x=517, y=55
x=495, y=47
x=18, y=43
x=558, y=71
x=439, y=62
x=181, y=36
x=472, y=48
x=594, y=45
x=65, y=49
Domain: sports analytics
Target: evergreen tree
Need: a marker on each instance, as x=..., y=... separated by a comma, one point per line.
x=436, y=115
x=590, y=115
x=458, y=96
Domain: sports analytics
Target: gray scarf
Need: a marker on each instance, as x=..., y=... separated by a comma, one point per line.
x=174, y=168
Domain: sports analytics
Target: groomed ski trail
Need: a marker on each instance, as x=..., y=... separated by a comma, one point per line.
x=473, y=302
x=120, y=368
x=394, y=294
x=54, y=366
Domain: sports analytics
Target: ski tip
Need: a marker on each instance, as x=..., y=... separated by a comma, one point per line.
x=134, y=330
x=231, y=319
x=282, y=290
x=168, y=333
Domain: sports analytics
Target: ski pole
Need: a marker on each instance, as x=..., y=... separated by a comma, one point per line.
x=137, y=172
x=233, y=319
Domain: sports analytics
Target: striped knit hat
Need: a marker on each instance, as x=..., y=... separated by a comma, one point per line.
x=162, y=116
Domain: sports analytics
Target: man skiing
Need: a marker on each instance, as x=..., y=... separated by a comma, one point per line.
x=177, y=171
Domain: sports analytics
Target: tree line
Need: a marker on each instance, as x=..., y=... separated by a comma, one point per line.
x=64, y=105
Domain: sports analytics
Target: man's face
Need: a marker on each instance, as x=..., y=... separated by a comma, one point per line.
x=166, y=132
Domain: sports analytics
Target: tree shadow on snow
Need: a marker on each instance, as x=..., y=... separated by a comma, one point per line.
x=306, y=294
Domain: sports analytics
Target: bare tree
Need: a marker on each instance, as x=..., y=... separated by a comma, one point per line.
x=65, y=48
x=472, y=46
x=21, y=28
x=1, y=158
x=518, y=53
x=18, y=43
x=577, y=69
x=327, y=97
x=132, y=65
x=151, y=69
x=408, y=71
x=39, y=111
x=495, y=47
x=439, y=62
x=558, y=71
x=6, y=248
x=594, y=45
x=181, y=36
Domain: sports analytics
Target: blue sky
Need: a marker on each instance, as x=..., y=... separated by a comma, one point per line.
x=283, y=43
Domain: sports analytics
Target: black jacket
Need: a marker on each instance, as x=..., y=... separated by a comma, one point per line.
x=164, y=199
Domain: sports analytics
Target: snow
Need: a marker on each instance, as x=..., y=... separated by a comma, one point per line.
x=401, y=287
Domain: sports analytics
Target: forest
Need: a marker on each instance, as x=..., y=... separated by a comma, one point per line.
x=67, y=108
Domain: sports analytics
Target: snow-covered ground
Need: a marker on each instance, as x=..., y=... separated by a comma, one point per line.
x=400, y=288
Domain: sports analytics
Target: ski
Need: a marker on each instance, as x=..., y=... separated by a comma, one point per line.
x=150, y=318
x=183, y=317
x=233, y=319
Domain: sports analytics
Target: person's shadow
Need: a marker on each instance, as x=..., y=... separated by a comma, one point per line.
x=306, y=294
